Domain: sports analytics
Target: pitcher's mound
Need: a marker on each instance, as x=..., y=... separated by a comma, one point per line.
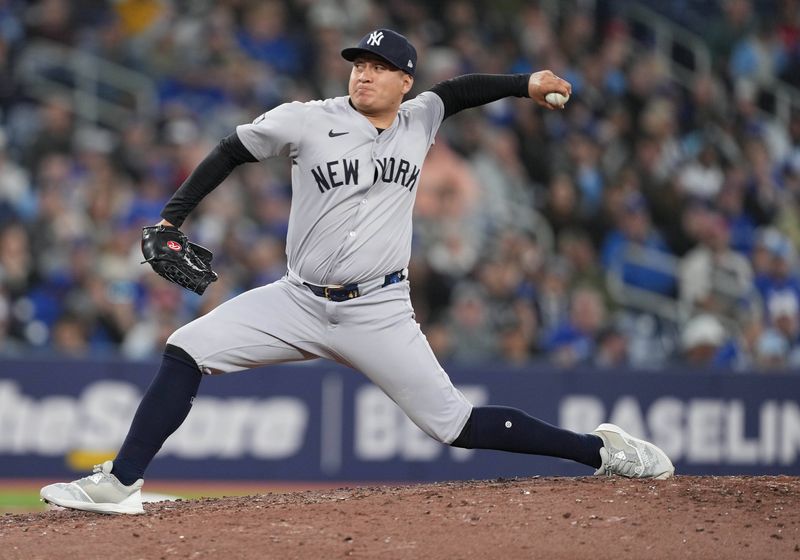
x=569, y=518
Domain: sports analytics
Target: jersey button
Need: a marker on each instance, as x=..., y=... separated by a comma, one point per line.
x=364, y=201
x=352, y=234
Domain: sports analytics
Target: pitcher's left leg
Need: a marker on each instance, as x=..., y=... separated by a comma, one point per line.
x=401, y=362
x=380, y=338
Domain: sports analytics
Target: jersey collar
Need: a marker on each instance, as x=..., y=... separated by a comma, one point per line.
x=373, y=129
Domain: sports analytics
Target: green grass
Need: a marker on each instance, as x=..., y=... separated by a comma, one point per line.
x=18, y=501
x=24, y=497
x=24, y=500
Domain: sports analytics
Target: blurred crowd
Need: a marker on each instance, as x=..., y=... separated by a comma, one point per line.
x=652, y=223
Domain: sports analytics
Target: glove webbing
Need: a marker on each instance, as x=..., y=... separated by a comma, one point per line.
x=169, y=271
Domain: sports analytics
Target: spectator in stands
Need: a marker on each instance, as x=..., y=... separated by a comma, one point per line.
x=107, y=309
x=705, y=342
x=772, y=352
x=448, y=187
x=69, y=336
x=515, y=344
x=144, y=340
x=645, y=79
x=53, y=133
x=658, y=122
x=784, y=319
x=713, y=277
x=773, y=262
x=611, y=349
x=585, y=160
x=759, y=57
x=577, y=248
x=731, y=204
x=17, y=265
x=723, y=34
x=763, y=141
x=506, y=195
x=471, y=335
x=552, y=294
x=702, y=177
x=636, y=252
x=706, y=109
x=574, y=341
x=562, y=206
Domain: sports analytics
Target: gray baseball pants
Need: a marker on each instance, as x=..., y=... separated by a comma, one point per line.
x=375, y=334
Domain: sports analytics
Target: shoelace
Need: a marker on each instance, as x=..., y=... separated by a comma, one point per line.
x=618, y=465
x=96, y=469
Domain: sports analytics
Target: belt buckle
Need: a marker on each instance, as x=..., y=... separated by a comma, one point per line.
x=341, y=293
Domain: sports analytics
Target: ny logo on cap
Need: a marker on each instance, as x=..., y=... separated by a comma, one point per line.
x=375, y=38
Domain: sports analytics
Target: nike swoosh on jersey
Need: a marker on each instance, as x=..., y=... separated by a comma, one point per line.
x=333, y=134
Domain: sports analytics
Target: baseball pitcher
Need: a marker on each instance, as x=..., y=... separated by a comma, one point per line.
x=356, y=162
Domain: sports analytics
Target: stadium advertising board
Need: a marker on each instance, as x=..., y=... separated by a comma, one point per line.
x=319, y=421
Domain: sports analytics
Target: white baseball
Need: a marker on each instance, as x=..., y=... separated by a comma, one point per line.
x=556, y=99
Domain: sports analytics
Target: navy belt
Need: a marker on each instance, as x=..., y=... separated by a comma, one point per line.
x=352, y=291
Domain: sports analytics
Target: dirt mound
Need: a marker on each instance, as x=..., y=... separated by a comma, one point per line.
x=684, y=517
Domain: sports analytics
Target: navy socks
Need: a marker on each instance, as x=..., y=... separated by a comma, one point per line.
x=164, y=407
x=508, y=429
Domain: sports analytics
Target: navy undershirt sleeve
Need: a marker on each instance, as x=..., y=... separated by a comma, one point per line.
x=473, y=90
x=217, y=165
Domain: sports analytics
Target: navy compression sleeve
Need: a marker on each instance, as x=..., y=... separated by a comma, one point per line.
x=216, y=166
x=472, y=90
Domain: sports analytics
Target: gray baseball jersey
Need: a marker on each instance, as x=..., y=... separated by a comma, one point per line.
x=353, y=189
x=353, y=193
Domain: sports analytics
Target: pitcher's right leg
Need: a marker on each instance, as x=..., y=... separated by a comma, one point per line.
x=259, y=327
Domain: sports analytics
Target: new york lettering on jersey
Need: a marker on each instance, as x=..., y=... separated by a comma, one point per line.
x=333, y=174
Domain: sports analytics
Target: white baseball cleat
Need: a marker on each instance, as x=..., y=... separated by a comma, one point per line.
x=625, y=455
x=101, y=492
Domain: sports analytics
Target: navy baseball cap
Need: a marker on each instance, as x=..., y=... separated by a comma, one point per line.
x=390, y=46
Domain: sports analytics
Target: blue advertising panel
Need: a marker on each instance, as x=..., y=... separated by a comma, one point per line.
x=318, y=421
